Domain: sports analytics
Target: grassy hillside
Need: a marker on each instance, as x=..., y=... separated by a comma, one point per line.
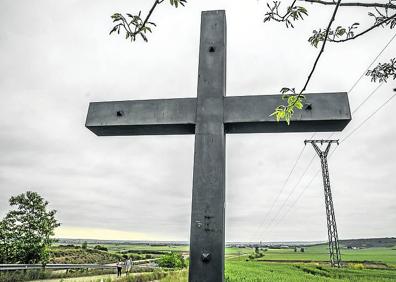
x=69, y=254
x=369, y=243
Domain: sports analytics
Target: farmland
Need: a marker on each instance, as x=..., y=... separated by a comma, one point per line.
x=377, y=263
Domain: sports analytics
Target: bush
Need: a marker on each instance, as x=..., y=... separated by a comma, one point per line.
x=100, y=248
x=357, y=266
x=172, y=260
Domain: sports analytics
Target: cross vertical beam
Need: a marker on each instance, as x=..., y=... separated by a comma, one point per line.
x=207, y=239
x=334, y=248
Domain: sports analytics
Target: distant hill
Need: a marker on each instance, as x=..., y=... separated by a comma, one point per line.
x=369, y=243
x=354, y=243
x=67, y=241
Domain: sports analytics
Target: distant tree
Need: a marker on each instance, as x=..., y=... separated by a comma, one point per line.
x=172, y=260
x=295, y=249
x=7, y=252
x=84, y=245
x=302, y=250
x=100, y=248
x=25, y=232
x=256, y=250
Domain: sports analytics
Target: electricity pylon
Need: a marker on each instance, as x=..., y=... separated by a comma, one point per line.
x=334, y=248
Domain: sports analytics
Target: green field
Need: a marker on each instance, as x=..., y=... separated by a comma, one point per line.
x=320, y=253
x=237, y=270
x=362, y=264
x=143, y=248
x=312, y=253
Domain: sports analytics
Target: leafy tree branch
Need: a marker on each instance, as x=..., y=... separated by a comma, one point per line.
x=382, y=15
x=389, y=5
x=349, y=33
x=293, y=13
x=134, y=25
x=295, y=101
x=383, y=71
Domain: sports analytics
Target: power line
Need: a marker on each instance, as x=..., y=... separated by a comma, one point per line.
x=343, y=140
x=299, y=156
x=370, y=116
x=281, y=190
x=357, y=81
x=362, y=103
x=352, y=132
x=302, y=192
x=291, y=192
x=366, y=99
x=379, y=54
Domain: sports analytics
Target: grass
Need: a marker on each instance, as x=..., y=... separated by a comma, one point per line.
x=275, y=265
x=249, y=271
x=237, y=270
x=320, y=253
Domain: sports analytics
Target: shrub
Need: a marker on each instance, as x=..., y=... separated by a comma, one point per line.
x=357, y=266
x=172, y=260
x=100, y=248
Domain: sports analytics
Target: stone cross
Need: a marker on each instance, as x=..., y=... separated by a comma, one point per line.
x=210, y=116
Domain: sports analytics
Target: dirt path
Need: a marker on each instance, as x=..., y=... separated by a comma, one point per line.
x=235, y=256
x=95, y=278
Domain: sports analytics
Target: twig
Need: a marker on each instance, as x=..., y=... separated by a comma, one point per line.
x=363, y=32
x=156, y=2
x=353, y=4
x=321, y=49
x=289, y=9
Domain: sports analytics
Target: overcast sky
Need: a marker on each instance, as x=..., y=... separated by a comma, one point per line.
x=57, y=56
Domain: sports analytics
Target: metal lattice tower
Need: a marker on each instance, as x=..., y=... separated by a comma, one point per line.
x=334, y=249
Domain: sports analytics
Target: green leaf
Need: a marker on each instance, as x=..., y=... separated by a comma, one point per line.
x=299, y=105
x=114, y=29
x=291, y=100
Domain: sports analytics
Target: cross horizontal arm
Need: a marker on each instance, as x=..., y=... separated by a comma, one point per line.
x=142, y=117
x=242, y=114
x=251, y=114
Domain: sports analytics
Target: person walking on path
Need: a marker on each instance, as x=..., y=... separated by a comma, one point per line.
x=119, y=268
x=128, y=265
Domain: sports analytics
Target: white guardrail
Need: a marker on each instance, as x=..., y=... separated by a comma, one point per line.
x=138, y=263
x=4, y=267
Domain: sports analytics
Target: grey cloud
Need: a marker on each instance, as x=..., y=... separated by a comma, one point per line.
x=51, y=70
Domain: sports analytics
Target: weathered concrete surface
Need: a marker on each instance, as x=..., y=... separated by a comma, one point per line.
x=207, y=238
x=142, y=117
x=251, y=114
x=242, y=114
